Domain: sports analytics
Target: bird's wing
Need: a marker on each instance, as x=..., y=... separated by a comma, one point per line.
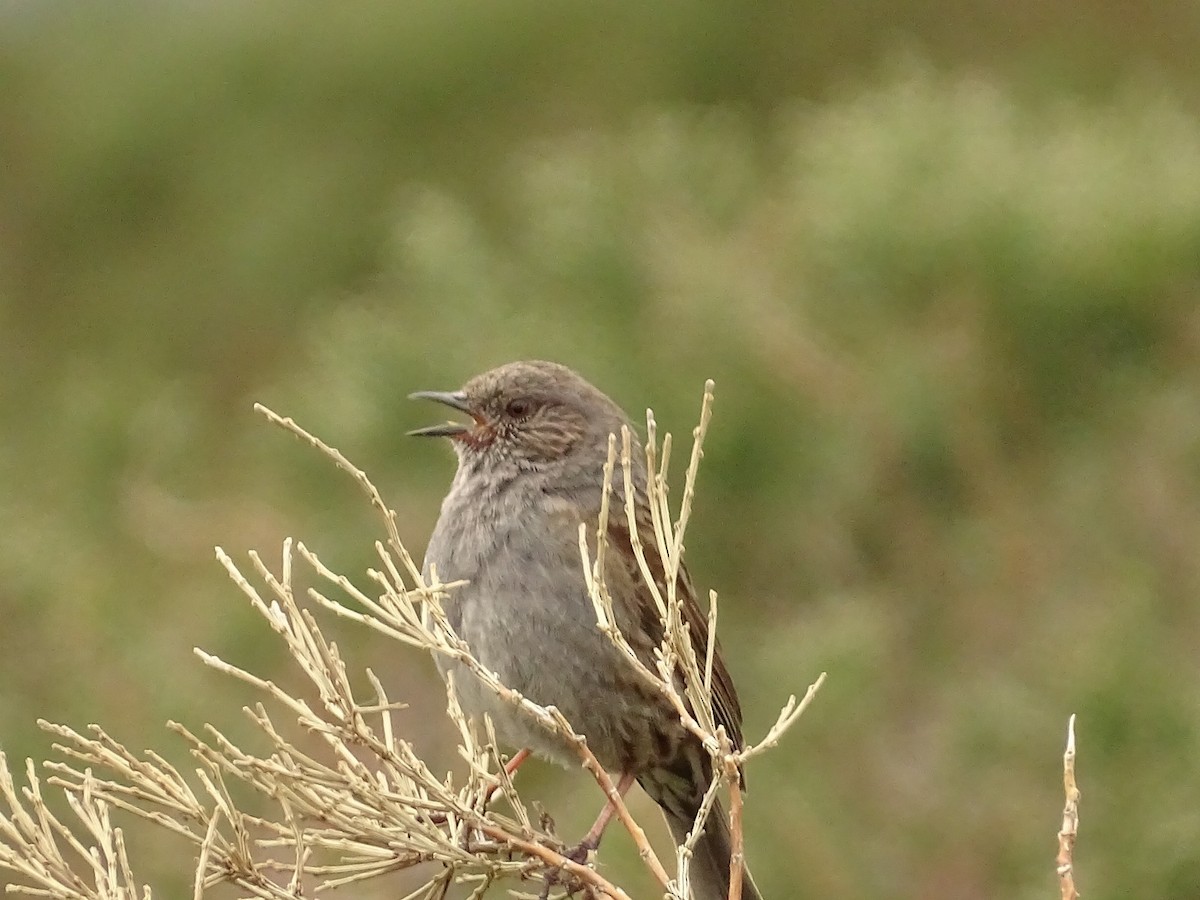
x=726, y=709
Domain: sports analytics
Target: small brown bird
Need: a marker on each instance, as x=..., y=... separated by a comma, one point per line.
x=530, y=470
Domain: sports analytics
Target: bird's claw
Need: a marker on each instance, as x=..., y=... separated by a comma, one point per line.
x=582, y=851
x=571, y=884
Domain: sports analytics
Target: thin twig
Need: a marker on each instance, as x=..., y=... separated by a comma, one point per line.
x=1065, y=860
x=358, y=799
x=737, y=854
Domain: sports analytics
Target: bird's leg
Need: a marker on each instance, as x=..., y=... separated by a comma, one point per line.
x=515, y=763
x=591, y=841
x=509, y=768
x=579, y=853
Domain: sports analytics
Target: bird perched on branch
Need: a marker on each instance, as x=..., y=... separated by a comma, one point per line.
x=530, y=471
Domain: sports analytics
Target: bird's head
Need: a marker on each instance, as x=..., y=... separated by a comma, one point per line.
x=526, y=413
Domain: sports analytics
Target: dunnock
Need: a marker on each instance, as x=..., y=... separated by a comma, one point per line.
x=530, y=470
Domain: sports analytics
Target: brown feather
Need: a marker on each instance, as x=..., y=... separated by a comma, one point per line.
x=727, y=710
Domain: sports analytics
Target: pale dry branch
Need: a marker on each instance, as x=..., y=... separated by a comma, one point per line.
x=372, y=492
x=1065, y=860
x=737, y=855
x=338, y=797
x=45, y=852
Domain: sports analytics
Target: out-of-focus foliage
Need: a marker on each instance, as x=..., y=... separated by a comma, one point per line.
x=950, y=304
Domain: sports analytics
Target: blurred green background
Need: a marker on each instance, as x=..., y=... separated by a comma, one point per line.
x=942, y=260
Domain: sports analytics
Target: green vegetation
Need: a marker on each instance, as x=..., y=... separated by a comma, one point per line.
x=947, y=289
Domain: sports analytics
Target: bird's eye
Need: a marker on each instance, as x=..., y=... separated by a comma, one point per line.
x=519, y=408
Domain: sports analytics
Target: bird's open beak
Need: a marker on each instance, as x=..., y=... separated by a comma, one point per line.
x=455, y=400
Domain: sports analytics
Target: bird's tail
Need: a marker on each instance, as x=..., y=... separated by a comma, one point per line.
x=710, y=860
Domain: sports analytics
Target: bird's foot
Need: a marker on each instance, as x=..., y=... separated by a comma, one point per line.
x=582, y=851
x=570, y=884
